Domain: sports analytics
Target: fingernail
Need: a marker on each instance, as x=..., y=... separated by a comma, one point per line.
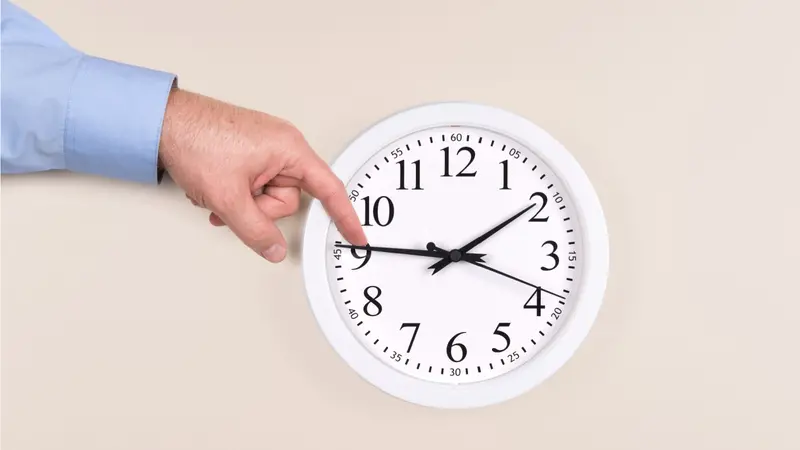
x=275, y=253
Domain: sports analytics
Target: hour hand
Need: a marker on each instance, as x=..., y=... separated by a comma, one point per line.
x=439, y=265
x=471, y=257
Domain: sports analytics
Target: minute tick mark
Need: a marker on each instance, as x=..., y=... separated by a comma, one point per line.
x=542, y=177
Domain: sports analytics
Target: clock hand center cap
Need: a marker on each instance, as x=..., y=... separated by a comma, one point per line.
x=454, y=255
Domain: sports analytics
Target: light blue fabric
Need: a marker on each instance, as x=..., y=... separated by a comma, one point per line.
x=64, y=109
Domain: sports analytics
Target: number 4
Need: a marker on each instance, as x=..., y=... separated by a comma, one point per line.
x=538, y=306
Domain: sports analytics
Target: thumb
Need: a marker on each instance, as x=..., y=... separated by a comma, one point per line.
x=253, y=227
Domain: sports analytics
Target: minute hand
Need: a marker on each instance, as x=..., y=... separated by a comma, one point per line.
x=439, y=265
x=471, y=257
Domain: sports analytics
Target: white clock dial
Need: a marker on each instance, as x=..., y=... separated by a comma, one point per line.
x=486, y=261
x=465, y=323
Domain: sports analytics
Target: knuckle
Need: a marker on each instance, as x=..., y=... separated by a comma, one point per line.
x=291, y=136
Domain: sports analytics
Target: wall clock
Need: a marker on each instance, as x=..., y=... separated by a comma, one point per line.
x=487, y=257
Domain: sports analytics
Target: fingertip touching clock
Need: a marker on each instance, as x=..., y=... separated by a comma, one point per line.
x=486, y=263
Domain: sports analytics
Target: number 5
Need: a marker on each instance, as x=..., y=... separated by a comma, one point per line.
x=503, y=335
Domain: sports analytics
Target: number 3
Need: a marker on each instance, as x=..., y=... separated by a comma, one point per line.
x=552, y=254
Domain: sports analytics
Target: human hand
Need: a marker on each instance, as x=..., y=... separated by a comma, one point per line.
x=247, y=168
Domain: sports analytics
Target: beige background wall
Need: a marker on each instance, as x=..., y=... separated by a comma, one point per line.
x=128, y=322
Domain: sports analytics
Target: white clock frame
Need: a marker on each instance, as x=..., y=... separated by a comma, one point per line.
x=589, y=296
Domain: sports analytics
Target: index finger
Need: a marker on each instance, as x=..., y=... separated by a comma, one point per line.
x=320, y=181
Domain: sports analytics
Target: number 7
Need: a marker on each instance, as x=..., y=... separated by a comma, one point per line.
x=413, y=336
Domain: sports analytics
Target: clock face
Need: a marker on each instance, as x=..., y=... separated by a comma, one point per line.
x=467, y=322
x=486, y=262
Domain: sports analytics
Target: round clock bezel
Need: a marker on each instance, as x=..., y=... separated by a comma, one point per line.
x=587, y=299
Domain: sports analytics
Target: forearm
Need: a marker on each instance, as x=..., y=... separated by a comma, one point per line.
x=64, y=109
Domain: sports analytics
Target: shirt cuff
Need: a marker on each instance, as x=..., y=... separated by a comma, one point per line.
x=114, y=119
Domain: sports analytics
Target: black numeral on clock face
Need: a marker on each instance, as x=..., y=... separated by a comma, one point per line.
x=377, y=212
x=402, y=165
x=461, y=348
x=505, y=175
x=543, y=199
x=538, y=306
x=502, y=334
x=552, y=255
x=372, y=308
x=415, y=326
x=462, y=172
x=366, y=257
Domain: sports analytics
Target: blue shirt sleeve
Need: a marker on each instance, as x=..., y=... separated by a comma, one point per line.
x=65, y=110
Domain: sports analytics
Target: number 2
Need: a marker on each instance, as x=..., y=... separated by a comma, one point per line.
x=544, y=203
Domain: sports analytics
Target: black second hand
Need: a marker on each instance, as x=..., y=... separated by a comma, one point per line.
x=432, y=245
x=516, y=279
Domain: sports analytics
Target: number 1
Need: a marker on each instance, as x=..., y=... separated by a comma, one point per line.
x=505, y=175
